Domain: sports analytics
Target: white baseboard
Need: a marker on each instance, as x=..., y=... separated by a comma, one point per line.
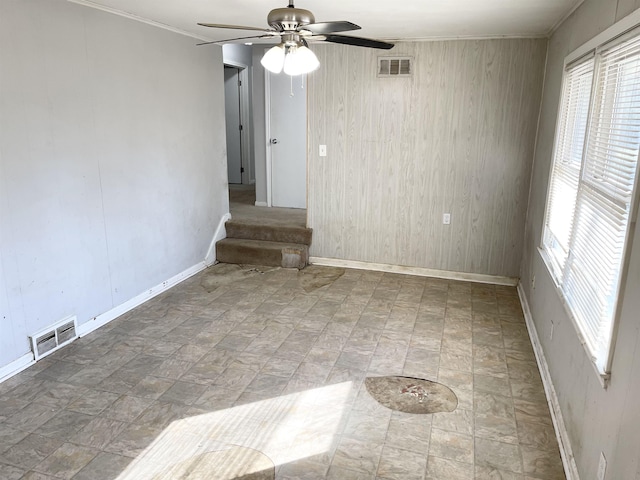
x=566, y=452
x=261, y=204
x=419, y=271
x=16, y=366
x=219, y=234
x=103, y=319
x=94, y=323
x=27, y=360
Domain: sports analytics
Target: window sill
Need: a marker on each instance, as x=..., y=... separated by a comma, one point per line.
x=603, y=376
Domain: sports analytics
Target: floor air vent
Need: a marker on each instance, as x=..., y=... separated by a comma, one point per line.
x=54, y=337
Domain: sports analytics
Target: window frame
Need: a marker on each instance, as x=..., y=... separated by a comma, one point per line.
x=555, y=268
x=626, y=28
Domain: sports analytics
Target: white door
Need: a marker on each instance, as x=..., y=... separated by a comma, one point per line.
x=232, y=115
x=288, y=140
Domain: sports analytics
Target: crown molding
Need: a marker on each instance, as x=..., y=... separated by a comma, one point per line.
x=465, y=37
x=131, y=16
x=569, y=12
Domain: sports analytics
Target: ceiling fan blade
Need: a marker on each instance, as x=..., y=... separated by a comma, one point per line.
x=233, y=27
x=320, y=28
x=358, y=41
x=234, y=39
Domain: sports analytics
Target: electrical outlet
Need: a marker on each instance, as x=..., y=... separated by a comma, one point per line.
x=323, y=150
x=602, y=467
x=446, y=218
x=533, y=282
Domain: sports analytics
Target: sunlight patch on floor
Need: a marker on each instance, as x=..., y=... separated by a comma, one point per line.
x=247, y=440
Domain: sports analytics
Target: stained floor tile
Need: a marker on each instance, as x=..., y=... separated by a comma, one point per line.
x=66, y=461
x=104, y=465
x=409, y=432
x=538, y=463
x=275, y=361
x=450, y=445
x=30, y=451
x=9, y=472
x=93, y=402
x=504, y=456
x=37, y=476
x=401, y=464
x=445, y=469
x=358, y=455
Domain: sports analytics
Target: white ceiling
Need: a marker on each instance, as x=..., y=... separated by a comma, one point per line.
x=381, y=19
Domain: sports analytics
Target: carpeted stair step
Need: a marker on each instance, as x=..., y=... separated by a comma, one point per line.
x=269, y=233
x=260, y=252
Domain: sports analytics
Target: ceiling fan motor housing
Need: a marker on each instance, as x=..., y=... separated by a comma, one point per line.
x=295, y=26
x=286, y=19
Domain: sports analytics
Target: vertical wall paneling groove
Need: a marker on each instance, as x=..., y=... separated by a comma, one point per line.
x=455, y=137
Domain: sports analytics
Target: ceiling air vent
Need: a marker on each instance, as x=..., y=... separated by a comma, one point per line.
x=395, y=66
x=54, y=337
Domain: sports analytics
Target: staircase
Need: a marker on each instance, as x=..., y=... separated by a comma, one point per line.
x=262, y=244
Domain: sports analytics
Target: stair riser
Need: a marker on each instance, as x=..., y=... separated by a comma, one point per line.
x=269, y=233
x=285, y=257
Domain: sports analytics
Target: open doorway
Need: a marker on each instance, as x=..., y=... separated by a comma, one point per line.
x=278, y=121
x=235, y=164
x=237, y=60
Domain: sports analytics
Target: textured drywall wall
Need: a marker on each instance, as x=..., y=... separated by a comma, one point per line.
x=597, y=420
x=112, y=161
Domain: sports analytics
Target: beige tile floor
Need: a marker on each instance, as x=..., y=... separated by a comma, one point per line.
x=259, y=371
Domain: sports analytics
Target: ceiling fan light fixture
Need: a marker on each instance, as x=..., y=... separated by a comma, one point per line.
x=300, y=60
x=295, y=26
x=274, y=59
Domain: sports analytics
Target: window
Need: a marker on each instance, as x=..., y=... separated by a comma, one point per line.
x=591, y=188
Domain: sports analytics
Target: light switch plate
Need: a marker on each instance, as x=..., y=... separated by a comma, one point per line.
x=323, y=150
x=446, y=218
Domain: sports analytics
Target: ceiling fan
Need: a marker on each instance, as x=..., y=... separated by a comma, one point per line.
x=295, y=27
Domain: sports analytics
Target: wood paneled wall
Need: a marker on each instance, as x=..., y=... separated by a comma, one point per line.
x=456, y=137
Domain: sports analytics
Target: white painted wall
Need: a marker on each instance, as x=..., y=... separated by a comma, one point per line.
x=236, y=54
x=596, y=419
x=112, y=161
x=13, y=330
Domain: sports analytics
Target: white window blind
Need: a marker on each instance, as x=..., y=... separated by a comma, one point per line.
x=563, y=189
x=592, y=187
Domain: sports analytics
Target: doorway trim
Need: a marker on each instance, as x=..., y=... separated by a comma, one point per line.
x=246, y=134
x=267, y=130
